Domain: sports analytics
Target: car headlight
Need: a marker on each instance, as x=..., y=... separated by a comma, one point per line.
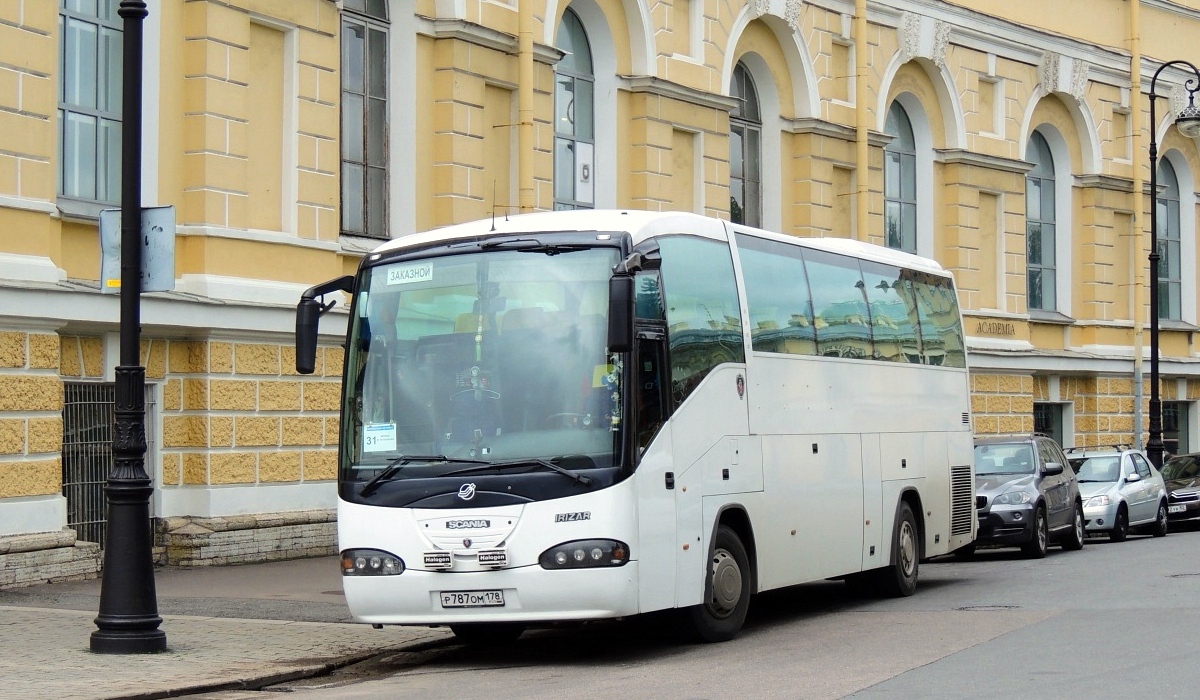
x=1012, y=498
x=585, y=554
x=371, y=562
x=1095, y=501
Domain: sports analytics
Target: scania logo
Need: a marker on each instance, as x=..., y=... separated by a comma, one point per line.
x=467, y=524
x=466, y=491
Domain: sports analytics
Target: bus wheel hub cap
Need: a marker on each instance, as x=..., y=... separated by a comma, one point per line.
x=727, y=582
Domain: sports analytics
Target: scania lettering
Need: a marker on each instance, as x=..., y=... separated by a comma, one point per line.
x=571, y=416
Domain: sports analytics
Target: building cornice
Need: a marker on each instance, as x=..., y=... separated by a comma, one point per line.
x=961, y=156
x=820, y=127
x=1112, y=183
x=483, y=36
x=665, y=88
x=256, y=236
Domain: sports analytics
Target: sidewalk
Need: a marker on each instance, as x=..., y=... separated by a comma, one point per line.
x=227, y=628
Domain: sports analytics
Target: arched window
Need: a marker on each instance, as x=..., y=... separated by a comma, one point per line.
x=574, y=118
x=745, y=154
x=900, y=182
x=1169, y=267
x=364, y=118
x=1040, y=238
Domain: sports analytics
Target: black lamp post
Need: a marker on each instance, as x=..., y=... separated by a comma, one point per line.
x=128, y=620
x=1188, y=124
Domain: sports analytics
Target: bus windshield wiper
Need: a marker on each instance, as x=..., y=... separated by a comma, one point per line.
x=524, y=463
x=393, y=467
x=533, y=245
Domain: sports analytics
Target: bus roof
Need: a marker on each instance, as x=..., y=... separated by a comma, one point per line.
x=644, y=224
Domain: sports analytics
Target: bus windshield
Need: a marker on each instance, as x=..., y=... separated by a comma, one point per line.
x=497, y=356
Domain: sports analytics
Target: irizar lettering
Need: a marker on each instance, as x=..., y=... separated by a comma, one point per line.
x=572, y=517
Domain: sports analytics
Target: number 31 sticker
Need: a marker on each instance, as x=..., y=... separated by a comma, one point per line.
x=379, y=437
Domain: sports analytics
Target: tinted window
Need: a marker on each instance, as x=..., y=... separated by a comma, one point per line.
x=1181, y=467
x=893, y=313
x=940, y=324
x=704, y=326
x=840, y=315
x=781, y=317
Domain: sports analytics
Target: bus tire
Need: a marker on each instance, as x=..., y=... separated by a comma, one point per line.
x=487, y=634
x=899, y=579
x=727, y=589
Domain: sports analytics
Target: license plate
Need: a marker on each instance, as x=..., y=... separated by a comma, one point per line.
x=472, y=599
x=1176, y=509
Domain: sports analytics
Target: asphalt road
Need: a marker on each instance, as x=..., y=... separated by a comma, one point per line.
x=1112, y=621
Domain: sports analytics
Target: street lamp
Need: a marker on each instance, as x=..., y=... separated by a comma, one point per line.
x=128, y=620
x=1188, y=124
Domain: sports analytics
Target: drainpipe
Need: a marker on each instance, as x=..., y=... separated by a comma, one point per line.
x=861, y=117
x=1139, y=281
x=525, y=138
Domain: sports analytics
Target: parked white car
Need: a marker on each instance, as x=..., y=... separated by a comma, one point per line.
x=1121, y=491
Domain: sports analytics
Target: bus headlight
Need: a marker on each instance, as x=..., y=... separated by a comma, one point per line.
x=371, y=562
x=585, y=554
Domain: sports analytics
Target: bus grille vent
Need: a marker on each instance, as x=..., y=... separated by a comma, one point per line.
x=962, y=500
x=966, y=419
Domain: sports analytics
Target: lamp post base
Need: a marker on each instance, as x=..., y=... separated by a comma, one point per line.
x=133, y=641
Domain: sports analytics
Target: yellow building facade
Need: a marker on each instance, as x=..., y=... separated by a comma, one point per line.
x=1009, y=141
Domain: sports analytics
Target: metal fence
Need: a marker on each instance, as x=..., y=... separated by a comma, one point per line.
x=88, y=413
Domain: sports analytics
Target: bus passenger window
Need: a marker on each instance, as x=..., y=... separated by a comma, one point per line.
x=703, y=315
x=777, y=294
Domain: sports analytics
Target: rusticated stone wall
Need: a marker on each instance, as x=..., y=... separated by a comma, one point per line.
x=239, y=413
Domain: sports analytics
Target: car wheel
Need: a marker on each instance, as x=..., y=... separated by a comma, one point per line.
x=726, y=592
x=487, y=634
x=1120, y=528
x=900, y=579
x=1074, y=539
x=1035, y=548
x=1160, y=523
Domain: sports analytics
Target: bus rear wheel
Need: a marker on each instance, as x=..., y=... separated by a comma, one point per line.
x=900, y=578
x=726, y=591
x=487, y=634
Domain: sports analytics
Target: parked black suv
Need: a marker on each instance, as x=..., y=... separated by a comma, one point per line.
x=1025, y=495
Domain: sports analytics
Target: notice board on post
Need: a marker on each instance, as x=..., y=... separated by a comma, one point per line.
x=158, y=249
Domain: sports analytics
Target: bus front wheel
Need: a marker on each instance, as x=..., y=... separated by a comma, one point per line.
x=727, y=591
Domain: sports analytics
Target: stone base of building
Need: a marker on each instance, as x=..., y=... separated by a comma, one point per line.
x=247, y=539
x=44, y=557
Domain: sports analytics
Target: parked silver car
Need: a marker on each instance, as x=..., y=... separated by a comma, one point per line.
x=1121, y=490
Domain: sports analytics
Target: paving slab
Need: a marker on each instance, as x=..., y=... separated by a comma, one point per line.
x=228, y=628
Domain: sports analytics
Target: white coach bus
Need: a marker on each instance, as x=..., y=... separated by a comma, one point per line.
x=595, y=414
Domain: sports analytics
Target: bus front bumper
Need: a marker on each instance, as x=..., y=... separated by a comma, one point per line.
x=530, y=594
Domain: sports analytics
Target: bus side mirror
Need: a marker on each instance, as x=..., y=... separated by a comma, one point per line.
x=308, y=313
x=620, y=313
